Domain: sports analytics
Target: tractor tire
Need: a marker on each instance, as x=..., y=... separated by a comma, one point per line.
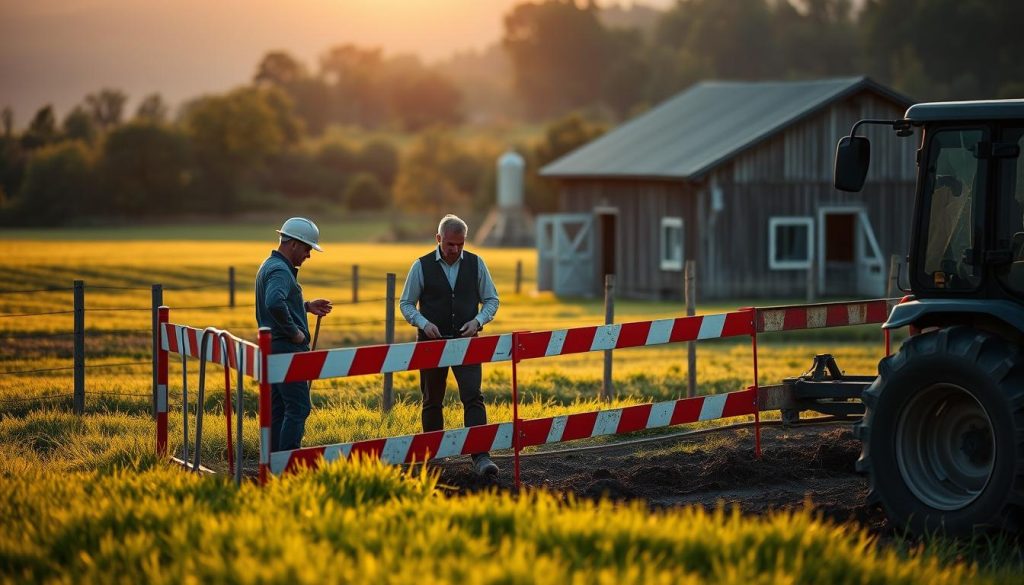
x=943, y=434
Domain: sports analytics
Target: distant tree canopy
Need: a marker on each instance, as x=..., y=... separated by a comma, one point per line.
x=565, y=57
x=360, y=86
x=310, y=134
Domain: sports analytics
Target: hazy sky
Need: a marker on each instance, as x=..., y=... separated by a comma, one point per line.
x=57, y=51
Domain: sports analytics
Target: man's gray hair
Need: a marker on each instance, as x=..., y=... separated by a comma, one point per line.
x=452, y=224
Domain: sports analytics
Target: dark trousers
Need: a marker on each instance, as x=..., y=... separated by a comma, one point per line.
x=434, y=382
x=289, y=409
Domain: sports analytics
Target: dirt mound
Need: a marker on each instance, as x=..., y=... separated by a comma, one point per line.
x=798, y=465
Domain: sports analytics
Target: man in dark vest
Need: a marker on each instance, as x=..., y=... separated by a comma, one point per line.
x=456, y=297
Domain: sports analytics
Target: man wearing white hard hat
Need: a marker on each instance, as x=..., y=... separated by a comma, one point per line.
x=279, y=306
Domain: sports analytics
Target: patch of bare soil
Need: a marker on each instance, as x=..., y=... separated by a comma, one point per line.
x=799, y=464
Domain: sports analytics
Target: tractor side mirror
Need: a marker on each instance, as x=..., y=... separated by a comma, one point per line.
x=853, y=156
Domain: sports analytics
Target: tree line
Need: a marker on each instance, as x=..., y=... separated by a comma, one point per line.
x=298, y=132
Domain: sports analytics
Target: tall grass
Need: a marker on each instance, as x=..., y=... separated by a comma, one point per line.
x=366, y=523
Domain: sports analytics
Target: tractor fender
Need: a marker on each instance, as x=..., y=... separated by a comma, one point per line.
x=1009, y=312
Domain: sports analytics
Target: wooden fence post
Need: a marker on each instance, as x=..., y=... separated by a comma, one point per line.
x=387, y=399
x=157, y=301
x=79, y=351
x=355, y=283
x=607, y=390
x=231, y=286
x=690, y=292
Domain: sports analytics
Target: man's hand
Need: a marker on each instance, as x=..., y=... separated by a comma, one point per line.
x=470, y=328
x=431, y=331
x=319, y=307
x=299, y=337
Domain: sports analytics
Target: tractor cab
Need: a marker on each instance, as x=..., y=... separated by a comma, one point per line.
x=967, y=239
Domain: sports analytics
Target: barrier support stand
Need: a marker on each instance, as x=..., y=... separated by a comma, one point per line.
x=264, y=408
x=227, y=351
x=161, y=381
x=757, y=408
x=516, y=439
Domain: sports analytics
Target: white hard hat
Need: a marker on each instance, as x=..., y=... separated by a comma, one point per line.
x=303, y=230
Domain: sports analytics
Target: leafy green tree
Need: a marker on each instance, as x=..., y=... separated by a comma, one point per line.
x=233, y=135
x=59, y=186
x=355, y=77
x=42, y=130
x=560, y=138
x=365, y=192
x=559, y=52
x=380, y=159
x=152, y=109
x=79, y=125
x=425, y=98
x=106, y=107
x=145, y=169
x=430, y=180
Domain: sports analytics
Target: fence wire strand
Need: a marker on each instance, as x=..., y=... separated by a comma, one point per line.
x=36, y=314
x=37, y=290
x=17, y=372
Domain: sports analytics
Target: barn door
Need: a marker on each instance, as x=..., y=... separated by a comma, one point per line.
x=565, y=253
x=870, y=273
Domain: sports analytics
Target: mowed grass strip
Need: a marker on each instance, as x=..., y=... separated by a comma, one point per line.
x=367, y=523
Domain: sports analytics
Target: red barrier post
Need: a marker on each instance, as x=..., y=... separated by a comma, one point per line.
x=516, y=439
x=161, y=382
x=264, y=408
x=888, y=343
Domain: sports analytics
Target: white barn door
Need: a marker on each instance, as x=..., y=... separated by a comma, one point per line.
x=565, y=253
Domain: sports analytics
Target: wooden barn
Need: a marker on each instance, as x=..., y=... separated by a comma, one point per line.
x=738, y=177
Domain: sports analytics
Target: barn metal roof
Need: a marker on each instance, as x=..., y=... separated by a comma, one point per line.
x=698, y=129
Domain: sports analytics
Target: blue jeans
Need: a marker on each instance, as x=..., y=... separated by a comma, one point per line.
x=289, y=409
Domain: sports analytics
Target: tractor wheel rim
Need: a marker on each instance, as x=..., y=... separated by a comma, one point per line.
x=945, y=449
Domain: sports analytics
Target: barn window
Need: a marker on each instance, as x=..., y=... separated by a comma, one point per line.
x=790, y=242
x=671, y=243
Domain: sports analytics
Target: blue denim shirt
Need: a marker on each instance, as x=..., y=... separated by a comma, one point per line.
x=279, y=303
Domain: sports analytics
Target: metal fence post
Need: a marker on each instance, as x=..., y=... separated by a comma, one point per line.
x=607, y=390
x=690, y=290
x=79, y=351
x=157, y=301
x=387, y=399
x=355, y=283
x=519, y=276
x=231, y=286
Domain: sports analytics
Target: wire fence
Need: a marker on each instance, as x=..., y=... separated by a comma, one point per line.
x=352, y=287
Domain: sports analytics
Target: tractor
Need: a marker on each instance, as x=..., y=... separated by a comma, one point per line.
x=943, y=428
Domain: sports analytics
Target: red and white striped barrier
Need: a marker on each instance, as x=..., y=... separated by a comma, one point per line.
x=268, y=369
x=822, y=315
x=380, y=359
x=493, y=437
x=185, y=340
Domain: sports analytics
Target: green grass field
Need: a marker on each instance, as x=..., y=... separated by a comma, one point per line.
x=86, y=500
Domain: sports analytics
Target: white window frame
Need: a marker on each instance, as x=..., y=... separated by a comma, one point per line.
x=671, y=263
x=776, y=222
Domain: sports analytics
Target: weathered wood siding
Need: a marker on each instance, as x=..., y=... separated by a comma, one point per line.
x=640, y=206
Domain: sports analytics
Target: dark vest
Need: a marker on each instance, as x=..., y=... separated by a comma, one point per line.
x=449, y=309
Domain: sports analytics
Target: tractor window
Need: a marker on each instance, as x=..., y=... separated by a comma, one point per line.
x=1010, y=216
x=952, y=199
